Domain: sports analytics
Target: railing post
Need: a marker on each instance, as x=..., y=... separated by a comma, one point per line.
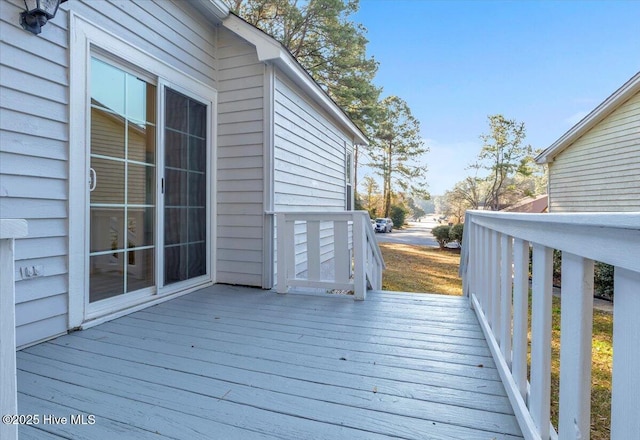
x=341, y=250
x=10, y=229
x=540, y=396
x=575, y=347
x=313, y=250
x=359, y=256
x=520, y=314
x=486, y=270
x=506, y=301
x=477, y=262
x=282, y=253
x=625, y=422
x=495, y=285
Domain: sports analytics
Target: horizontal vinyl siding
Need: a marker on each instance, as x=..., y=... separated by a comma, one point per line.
x=240, y=184
x=601, y=170
x=33, y=166
x=34, y=131
x=309, y=164
x=170, y=30
x=309, y=155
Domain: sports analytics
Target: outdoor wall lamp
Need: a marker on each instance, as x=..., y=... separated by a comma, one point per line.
x=37, y=13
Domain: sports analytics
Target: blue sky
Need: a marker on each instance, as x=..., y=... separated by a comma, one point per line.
x=544, y=63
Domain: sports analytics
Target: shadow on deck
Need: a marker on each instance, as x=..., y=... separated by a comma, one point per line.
x=237, y=363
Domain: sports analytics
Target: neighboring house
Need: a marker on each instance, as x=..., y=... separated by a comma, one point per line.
x=148, y=144
x=534, y=205
x=595, y=166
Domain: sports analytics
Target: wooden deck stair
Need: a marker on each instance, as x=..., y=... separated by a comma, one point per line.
x=236, y=363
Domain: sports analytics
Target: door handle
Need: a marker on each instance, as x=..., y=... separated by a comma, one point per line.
x=93, y=179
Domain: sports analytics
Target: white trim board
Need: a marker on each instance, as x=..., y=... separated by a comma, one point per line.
x=85, y=36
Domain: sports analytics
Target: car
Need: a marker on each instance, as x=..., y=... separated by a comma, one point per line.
x=384, y=225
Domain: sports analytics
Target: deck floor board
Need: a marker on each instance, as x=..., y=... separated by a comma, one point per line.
x=230, y=362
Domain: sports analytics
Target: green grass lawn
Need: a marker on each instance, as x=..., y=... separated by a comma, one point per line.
x=423, y=269
x=420, y=269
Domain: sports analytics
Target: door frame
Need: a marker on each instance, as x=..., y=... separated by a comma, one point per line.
x=85, y=38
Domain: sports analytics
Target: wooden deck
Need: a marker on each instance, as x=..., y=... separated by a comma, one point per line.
x=237, y=363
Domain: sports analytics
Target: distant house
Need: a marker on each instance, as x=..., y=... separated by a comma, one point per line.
x=148, y=144
x=534, y=205
x=595, y=166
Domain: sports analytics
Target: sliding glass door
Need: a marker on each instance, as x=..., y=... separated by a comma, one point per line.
x=122, y=183
x=148, y=204
x=185, y=189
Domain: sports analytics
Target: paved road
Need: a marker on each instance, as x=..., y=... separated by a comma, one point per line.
x=418, y=233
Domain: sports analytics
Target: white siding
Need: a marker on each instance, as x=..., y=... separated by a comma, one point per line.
x=601, y=170
x=309, y=154
x=240, y=162
x=309, y=164
x=34, y=130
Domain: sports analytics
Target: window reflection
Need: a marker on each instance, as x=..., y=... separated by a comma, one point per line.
x=123, y=157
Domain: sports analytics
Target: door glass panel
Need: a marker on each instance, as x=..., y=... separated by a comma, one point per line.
x=107, y=229
x=106, y=278
x=140, y=269
x=107, y=133
x=109, y=181
x=107, y=87
x=185, y=255
x=123, y=182
x=141, y=142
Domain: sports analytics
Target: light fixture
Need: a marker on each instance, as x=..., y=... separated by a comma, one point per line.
x=37, y=13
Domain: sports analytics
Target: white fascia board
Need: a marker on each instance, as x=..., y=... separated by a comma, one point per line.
x=270, y=50
x=215, y=10
x=618, y=98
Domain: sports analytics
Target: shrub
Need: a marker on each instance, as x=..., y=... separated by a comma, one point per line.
x=441, y=234
x=603, y=280
x=455, y=234
x=602, y=276
x=397, y=215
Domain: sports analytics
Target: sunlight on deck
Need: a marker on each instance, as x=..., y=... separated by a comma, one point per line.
x=237, y=363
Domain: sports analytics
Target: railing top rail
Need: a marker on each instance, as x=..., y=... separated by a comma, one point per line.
x=612, y=238
x=619, y=220
x=371, y=235
x=319, y=215
x=336, y=215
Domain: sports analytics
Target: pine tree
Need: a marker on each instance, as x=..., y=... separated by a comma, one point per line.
x=396, y=146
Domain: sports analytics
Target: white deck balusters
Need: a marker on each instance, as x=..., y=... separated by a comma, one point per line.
x=495, y=269
x=10, y=229
x=328, y=250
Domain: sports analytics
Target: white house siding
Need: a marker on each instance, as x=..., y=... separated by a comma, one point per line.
x=34, y=130
x=601, y=170
x=309, y=170
x=240, y=166
x=309, y=165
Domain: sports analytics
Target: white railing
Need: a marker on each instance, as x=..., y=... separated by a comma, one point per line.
x=328, y=250
x=495, y=271
x=10, y=229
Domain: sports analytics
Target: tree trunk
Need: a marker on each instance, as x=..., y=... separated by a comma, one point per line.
x=387, y=200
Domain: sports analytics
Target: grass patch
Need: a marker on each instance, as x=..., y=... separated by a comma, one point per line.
x=420, y=269
x=601, y=358
x=424, y=269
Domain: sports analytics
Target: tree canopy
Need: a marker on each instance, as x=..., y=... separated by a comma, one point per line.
x=504, y=155
x=332, y=48
x=396, y=145
x=320, y=35
x=510, y=172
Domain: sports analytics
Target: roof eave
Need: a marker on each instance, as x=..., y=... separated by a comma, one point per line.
x=270, y=50
x=214, y=10
x=618, y=97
